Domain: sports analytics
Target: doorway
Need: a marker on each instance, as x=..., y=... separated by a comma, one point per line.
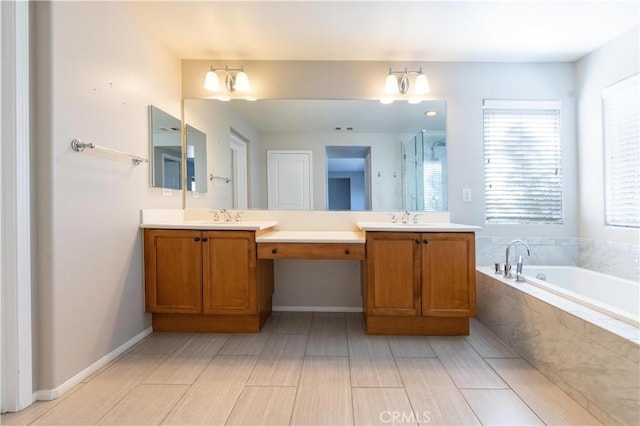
x=348, y=177
x=239, y=170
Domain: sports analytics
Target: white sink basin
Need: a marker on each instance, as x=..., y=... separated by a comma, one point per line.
x=415, y=227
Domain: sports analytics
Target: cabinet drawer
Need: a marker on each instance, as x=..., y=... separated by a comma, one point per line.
x=344, y=251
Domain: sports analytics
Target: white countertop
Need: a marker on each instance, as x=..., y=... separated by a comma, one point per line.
x=416, y=227
x=210, y=225
x=312, y=237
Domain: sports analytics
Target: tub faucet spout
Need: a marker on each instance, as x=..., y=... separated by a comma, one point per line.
x=507, y=266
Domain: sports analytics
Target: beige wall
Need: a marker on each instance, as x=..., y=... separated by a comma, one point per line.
x=609, y=64
x=96, y=73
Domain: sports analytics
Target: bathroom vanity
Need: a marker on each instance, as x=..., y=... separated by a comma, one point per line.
x=419, y=282
x=206, y=280
x=205, y=276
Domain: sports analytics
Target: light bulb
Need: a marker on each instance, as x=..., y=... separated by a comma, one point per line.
x=242, y=82
x=422, y=84
x=391, y=85
x=211, y=81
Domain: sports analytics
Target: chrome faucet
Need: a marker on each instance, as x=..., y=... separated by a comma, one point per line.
x=507, y=266
x=226, y=214
x=405, y=216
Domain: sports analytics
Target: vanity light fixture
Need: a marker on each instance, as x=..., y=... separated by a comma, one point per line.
x=397, y=82
x=236, y=80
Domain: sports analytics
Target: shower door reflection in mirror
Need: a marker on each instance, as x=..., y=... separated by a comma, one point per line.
x=424, y=171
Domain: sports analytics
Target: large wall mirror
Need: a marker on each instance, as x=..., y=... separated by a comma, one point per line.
x=363, y=155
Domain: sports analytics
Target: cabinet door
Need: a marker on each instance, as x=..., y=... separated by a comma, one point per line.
x=393, y=273
x=448, y=275
x=229, y=278
x=173, y=271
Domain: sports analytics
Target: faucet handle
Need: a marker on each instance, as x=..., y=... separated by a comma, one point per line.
x=216, y=216
x=237, y=216
x=394, y=217
x=416, y=216
x=405, y=216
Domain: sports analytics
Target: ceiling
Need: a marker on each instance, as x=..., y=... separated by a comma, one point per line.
x=516, y=30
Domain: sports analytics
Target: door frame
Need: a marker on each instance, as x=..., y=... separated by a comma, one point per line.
x=240, y=173
x=16, y=351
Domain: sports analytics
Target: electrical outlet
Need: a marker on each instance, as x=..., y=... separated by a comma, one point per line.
x=466, y=195
x=195, y=194
x=166, y=192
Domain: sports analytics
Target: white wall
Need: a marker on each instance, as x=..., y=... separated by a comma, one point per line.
x=609, y=64
x=96, y=74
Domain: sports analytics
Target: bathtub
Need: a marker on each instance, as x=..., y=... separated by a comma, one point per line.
x=577, y=327
x=609, y=295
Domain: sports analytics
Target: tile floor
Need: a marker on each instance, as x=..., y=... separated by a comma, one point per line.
x=312, y=369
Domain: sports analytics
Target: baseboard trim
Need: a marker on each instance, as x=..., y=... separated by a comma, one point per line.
x=316, y=309
x=49, y=394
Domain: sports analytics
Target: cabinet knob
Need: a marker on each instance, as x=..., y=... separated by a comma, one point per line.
x=347, y=251
x=274, y=251
x=417, y=241
x=196, y=239
x=205, y=239
x=425, y=241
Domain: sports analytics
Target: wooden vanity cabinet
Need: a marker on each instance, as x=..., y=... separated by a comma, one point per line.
x=419, y=283
x=206, y=281
x=393, y=273
x=173, y=271
x=229, y=278
x=448, y=275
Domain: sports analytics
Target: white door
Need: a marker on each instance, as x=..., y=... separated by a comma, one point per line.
x=289, y=180
x=239, y=171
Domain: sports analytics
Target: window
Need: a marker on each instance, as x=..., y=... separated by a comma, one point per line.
x=522, y=174
x=621, y=153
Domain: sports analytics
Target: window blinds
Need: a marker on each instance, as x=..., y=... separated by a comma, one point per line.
x=622, y=152
x=523, y=174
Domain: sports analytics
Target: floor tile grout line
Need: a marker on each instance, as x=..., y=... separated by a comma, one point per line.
x=295, y=399
x=116, y=403
x=525, y=401
x=175, y=404
x=353, y=407
x=456, y=386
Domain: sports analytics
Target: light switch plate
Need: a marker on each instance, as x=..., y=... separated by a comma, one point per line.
x=466, y=195
x=166, y=192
